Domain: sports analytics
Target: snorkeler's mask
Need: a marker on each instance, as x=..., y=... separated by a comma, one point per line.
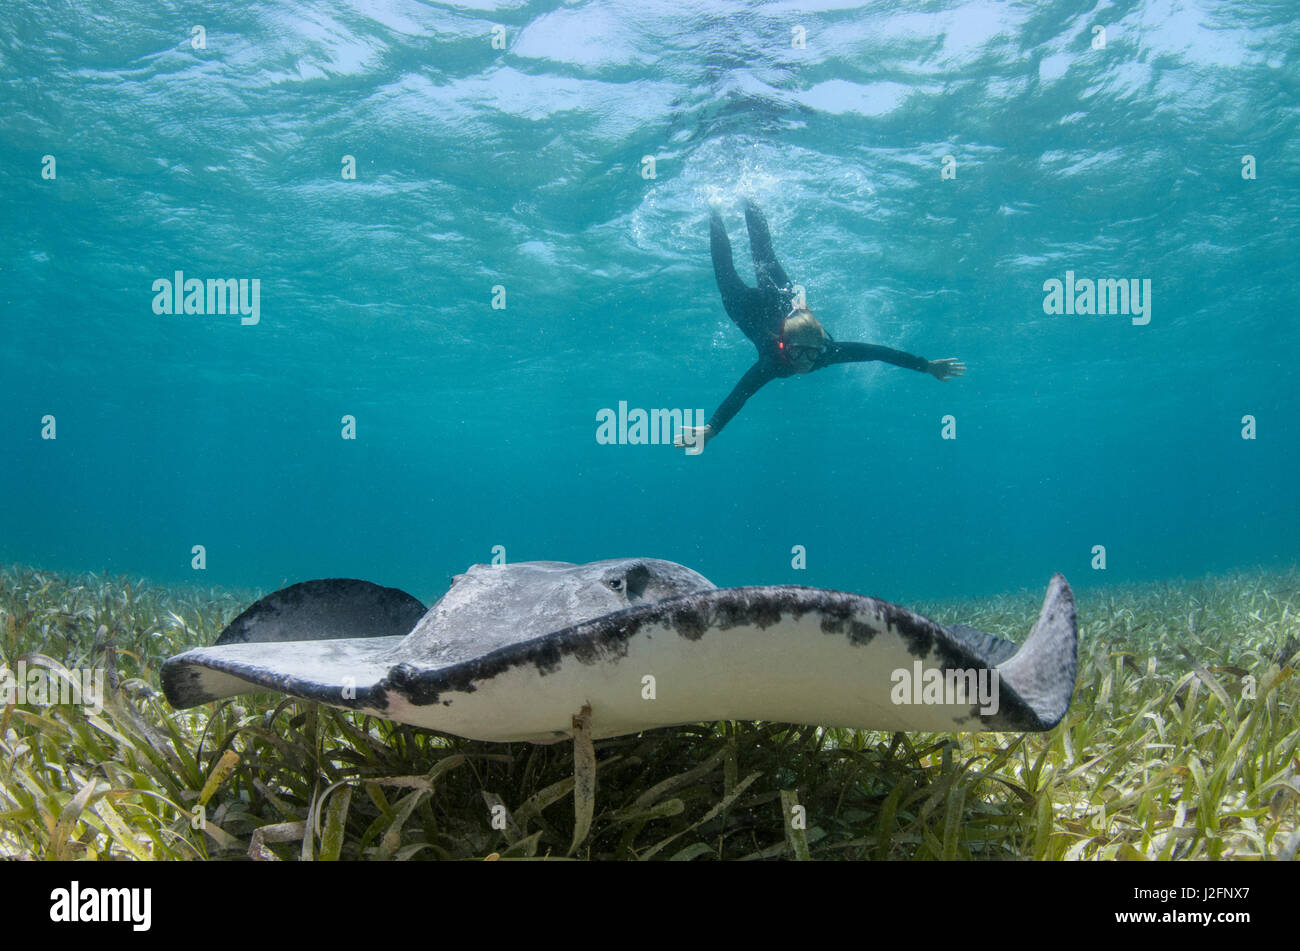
x=790, y=352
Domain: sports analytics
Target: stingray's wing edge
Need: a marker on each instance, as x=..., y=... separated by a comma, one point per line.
x=1042, y=673
x=337, y=672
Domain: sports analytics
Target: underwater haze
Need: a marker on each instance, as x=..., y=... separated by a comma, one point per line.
x=475, y=226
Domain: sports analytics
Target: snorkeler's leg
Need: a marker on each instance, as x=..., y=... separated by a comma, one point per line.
x=766, y=267
x=732, y=287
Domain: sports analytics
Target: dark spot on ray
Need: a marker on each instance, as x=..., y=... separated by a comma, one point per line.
x=406, y=679
x=547, y=657
x=860, y=634
x=595, y=652
x=834, y=620
x=766, y=613
x=690, y=621
x=730, y=614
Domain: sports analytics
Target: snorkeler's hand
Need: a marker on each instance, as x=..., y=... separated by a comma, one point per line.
x=946, y=368
x=693, y=439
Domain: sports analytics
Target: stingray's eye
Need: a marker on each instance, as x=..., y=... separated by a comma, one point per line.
x=615, y=584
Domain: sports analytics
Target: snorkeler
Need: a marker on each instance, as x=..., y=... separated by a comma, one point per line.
x=788, y=337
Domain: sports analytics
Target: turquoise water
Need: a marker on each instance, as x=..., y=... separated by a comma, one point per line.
x=522, y=167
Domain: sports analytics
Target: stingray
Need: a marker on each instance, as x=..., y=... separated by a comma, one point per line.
x=542, y=651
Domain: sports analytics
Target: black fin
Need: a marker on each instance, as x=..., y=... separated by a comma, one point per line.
x=324, y=610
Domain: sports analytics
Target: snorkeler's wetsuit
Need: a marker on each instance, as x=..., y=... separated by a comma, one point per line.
x=760, y=312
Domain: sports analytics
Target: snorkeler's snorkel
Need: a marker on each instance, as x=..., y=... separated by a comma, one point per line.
x=782, y=350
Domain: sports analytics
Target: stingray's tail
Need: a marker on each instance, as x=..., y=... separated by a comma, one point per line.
x=1042, y=672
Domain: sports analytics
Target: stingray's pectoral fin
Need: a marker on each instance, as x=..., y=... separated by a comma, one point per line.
x=1042, y=672
x=335, y=628
x=341, y=673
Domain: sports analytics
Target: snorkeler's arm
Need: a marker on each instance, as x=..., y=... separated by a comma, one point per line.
x=853, y=352
x=694, y=438
x=749, y=384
